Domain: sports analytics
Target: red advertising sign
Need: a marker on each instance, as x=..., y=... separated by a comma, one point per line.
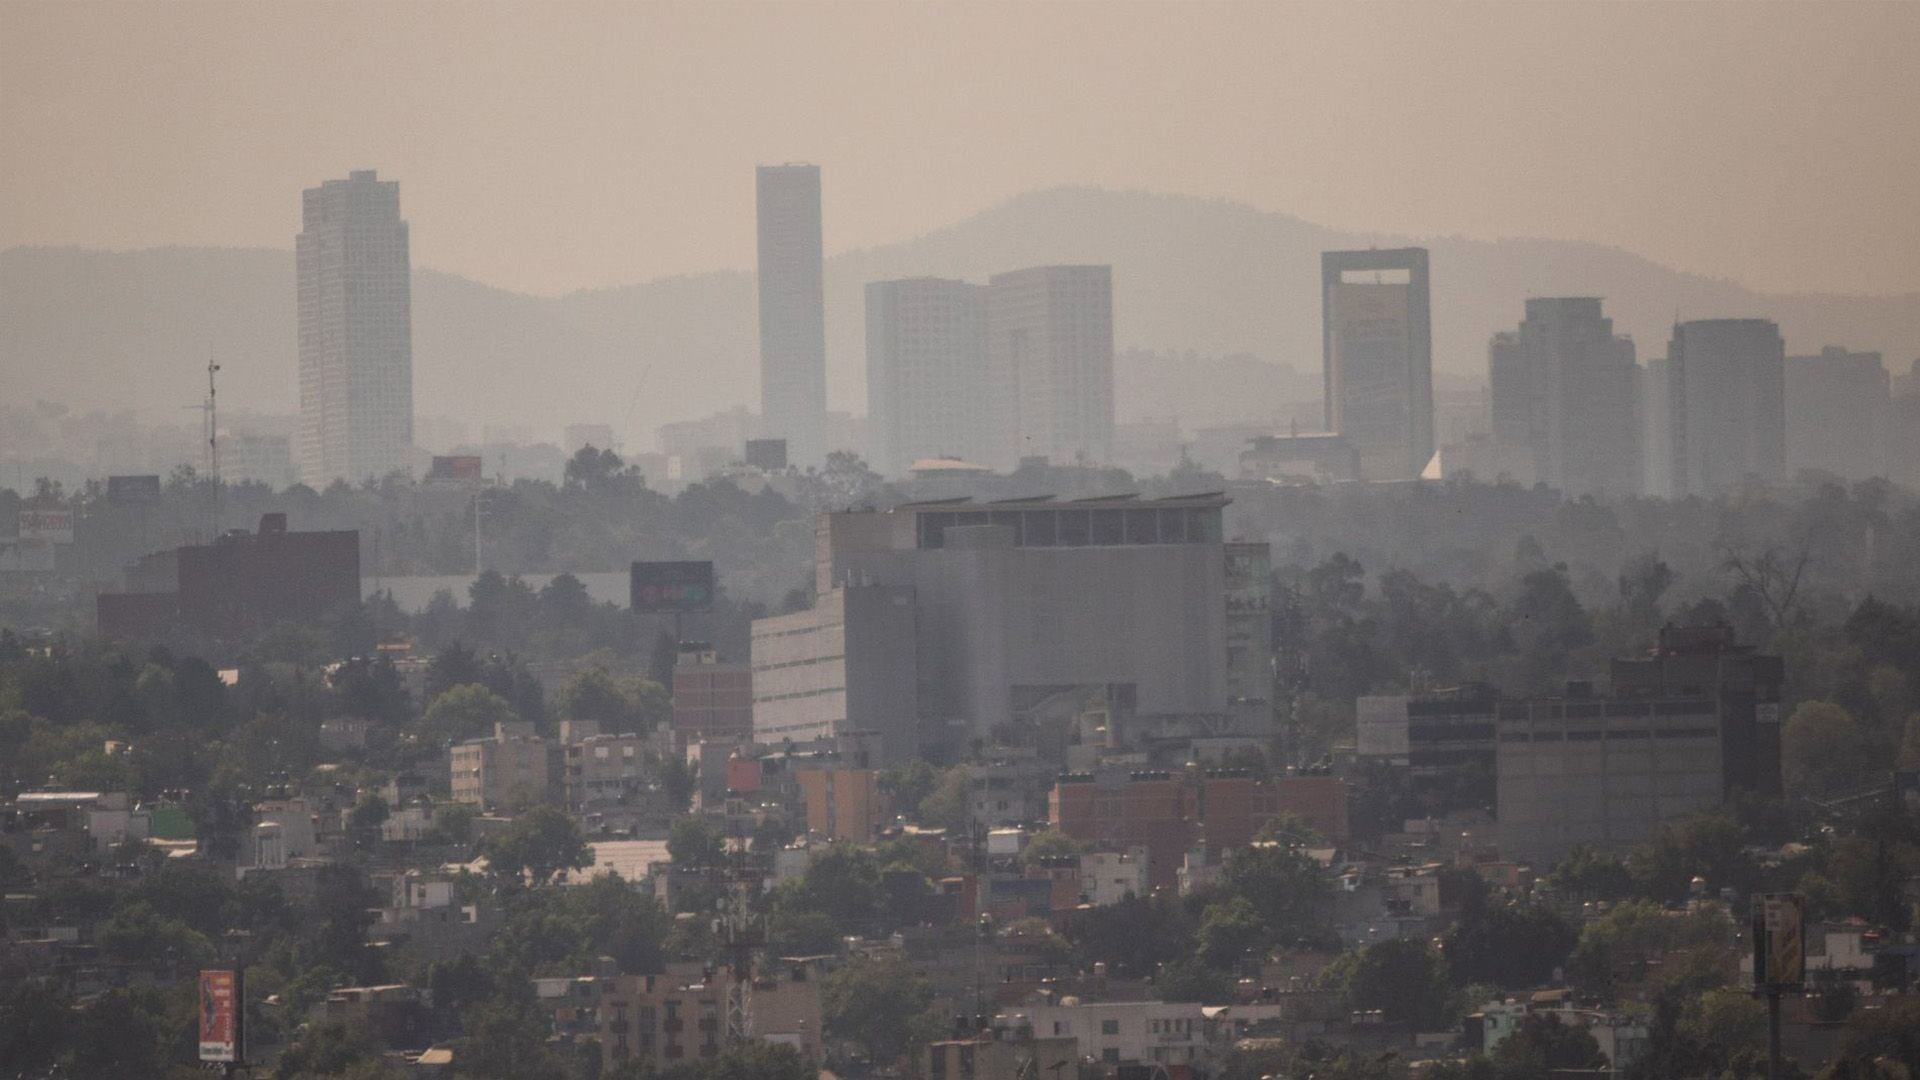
x=219, y=1025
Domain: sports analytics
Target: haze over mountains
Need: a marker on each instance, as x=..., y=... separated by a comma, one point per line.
x=132, y=330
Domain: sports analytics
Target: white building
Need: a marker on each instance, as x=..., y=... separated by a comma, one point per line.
x=928, y=390
x=1050, y=351
x=1108, y=877
x=356, y=331
x=793, y=322
x=1122, y=1031
x=1726, y=404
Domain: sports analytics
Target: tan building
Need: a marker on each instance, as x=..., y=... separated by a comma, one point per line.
x=603, y=769
x=681, y=1015
x=842, y=803
x=510, y=766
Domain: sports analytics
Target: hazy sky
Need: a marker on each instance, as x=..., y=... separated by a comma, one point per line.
x=550, y=147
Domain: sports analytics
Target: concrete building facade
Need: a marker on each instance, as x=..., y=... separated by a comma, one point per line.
x=679, y=1016
x=1683, y=729
x=842, y=803
x=848, y=664
x=929, y=393
x=1050, y=354
x=711, y=699
x=1839, y=411
x=1726, y=402
x=1377, y=348
x=793, y=320
x=509, y=766
x=355, y=314
x=1026, y=607
x=1564, y=386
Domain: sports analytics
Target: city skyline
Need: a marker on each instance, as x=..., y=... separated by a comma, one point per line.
x=1814, y=143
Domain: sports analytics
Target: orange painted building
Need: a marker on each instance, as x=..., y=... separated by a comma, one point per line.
x=843, y=804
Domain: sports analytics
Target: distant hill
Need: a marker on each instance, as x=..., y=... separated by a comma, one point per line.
x=132, y=330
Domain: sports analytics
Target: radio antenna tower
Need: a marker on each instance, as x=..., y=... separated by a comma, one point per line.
x=213, y=440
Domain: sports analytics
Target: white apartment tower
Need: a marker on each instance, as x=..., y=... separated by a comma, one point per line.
x=1050, y=355
x=356, y=331
x=928, y=391
x=1726, y=404
x=793, y=321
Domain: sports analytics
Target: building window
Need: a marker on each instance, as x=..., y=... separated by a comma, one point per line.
x=1111, y=1055
x=1109, y=1027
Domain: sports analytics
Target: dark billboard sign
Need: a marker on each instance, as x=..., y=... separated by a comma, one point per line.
x=133, y=490
x=672, y=587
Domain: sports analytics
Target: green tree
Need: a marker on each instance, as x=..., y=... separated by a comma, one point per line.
x=333, y=1049
x=1230, y=931
x=1405, y=979
x=1636, y=933
x=1823, y=749
x=946, y=806
x=464, y=712
x=618, y=704
x=1543, y=1044
x=1133, y=937
x=537, y=847
x=801, y=933
x=883, y=1005
x=694, y=843
x=1292, y=895
x=1507, y=945
x=365, y=819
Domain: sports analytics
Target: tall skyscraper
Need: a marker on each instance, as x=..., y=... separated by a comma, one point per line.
x=928, y=390
x=1839, y=408
x=1377, y=340
x=1656, y=429
x=356, y=331
x=1050, y=351
x=1563, y=386
x=1726, y=401
x=793, y=321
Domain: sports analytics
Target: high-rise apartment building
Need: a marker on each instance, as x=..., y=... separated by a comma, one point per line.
x=1564, y=387
x=1839, y=409
x=1656, y=429
x=1050, y=353
x=1726, y=401
x=356, y=331
x=793, y=321
x=928, y=390
x=1377, y=342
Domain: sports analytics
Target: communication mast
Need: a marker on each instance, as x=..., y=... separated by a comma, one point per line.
x=213, y=443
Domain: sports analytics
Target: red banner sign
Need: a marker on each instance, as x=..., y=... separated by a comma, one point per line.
x=219, y=1026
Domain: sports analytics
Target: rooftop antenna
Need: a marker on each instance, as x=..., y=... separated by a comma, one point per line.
x=213, y=439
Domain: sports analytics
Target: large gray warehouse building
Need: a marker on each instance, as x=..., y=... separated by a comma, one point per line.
x=1014, y=604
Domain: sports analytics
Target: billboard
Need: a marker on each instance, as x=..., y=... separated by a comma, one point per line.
x=672, y=587
x=46, y=526
x=219, y=1016
x=1779, y=941
x=133, y=490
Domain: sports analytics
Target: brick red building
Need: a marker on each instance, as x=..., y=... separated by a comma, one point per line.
x=1169, y=813
x=239, y=585
x=711, y=700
